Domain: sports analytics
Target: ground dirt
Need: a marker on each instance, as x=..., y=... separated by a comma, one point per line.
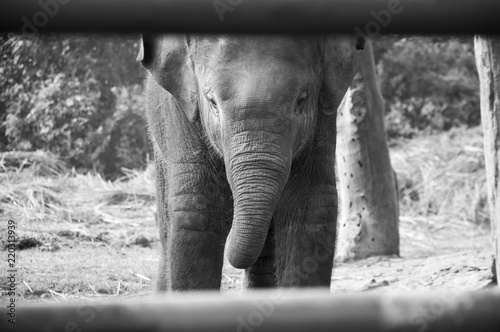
x=113, y=260
x=453, y=258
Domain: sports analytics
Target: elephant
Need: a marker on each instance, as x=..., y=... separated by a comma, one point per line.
x=243, y=130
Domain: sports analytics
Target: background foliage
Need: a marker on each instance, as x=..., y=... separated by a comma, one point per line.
x=430, y=84
x=80, y=97
x=77, y=96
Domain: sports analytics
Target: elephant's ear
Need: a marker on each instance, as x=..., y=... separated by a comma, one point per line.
x=339, y=66
x=166, y=58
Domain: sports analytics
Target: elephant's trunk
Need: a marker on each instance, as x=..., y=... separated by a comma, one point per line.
x=258, y=165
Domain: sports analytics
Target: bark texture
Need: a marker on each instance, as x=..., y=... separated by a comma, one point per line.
x=368, y=224
x=487, y=51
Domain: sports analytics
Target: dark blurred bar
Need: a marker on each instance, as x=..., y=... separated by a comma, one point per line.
x=275, y=310
x=252, y=16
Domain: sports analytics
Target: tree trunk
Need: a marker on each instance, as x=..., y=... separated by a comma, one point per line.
x=368, y=224
x=487, y=51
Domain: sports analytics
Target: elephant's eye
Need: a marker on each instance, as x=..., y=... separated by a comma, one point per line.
x=301, y=101
x=212, y=102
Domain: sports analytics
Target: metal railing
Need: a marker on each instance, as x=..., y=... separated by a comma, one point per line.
x=251, y=16
x=275, y=310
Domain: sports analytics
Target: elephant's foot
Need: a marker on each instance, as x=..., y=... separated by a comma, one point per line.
x=194, y=260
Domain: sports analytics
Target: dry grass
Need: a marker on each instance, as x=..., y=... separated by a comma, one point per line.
x=98, y=239
x=93, y=238
x=39, y=163
x=443, y=197
x=68, y=196
x=443, y=176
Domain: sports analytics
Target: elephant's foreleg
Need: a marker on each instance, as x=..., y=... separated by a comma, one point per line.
x=305, y=229
x=196, y=258
x=193, y=238
x=262, y=274
x=305, y=256
x=190, y=259
x=163, y=278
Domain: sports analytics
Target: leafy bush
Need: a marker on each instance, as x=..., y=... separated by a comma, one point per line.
x=65, y=94
x=64, y=116
x=429, y=84
x=127, y=144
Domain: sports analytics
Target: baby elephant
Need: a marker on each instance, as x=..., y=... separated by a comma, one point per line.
x=243, y=129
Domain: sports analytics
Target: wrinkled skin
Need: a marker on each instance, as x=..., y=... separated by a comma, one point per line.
x=244, y=130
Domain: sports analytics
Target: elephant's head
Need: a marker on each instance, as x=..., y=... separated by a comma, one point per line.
x=258, y=99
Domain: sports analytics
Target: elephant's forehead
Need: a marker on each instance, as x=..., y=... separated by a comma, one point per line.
x=230, y=49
